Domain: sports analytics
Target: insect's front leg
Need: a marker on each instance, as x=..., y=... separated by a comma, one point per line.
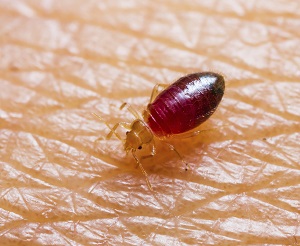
x=153, y=151
x=142, y=169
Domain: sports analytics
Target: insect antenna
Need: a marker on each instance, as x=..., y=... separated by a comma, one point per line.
x=112, y=129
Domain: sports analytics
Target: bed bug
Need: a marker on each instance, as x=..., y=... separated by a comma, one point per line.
x=174, y=111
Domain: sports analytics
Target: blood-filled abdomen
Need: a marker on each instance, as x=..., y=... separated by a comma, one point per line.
x=185, y=104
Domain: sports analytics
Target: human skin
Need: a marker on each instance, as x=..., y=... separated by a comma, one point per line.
x=60, y=61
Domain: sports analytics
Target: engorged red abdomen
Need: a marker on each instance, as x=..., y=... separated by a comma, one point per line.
x=185, y=104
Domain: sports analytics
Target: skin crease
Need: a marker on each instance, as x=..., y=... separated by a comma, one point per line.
x=63, y=60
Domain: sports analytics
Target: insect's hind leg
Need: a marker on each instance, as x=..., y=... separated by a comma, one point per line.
x=195, y=133
x=155, y=91
x=158, y=88
x=177, y=153
x=130, y=109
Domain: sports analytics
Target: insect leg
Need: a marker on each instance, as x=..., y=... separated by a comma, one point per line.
x=153, y=151
x=156, y=90
x=130, y=109
x=177, y=153
x=142, y=169
x=194, y=133
x=189, y=134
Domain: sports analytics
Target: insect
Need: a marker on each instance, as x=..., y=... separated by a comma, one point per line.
x=174, y=111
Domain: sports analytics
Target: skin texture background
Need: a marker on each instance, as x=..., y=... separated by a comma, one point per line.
x=60, y=61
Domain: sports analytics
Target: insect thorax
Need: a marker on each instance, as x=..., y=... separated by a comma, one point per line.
x=139, y=135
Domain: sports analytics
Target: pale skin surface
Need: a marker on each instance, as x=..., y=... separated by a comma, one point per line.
x=60, y=61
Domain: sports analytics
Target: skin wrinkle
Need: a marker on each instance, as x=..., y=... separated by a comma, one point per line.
x=63, y=60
